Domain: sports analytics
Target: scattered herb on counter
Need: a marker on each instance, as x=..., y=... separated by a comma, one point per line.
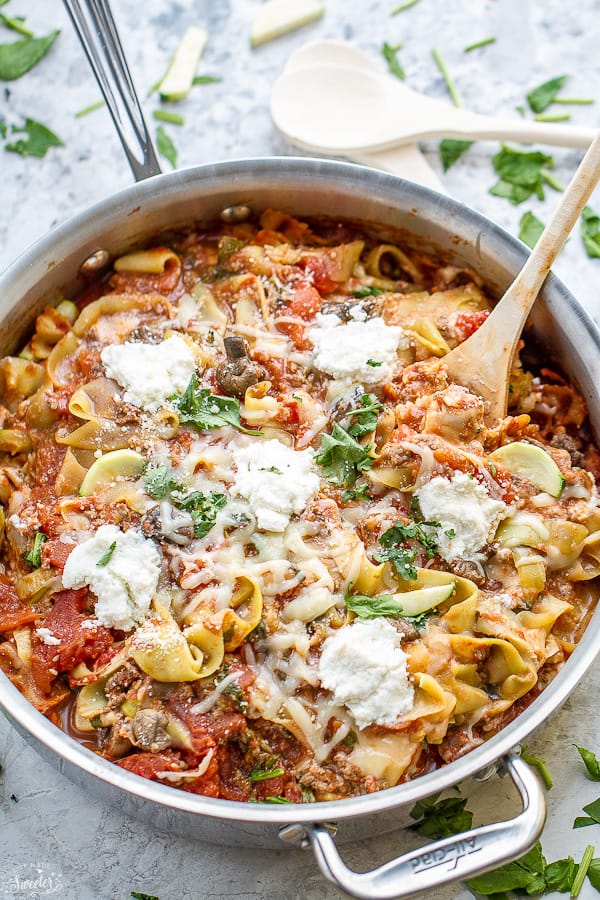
x=451, y=150
x=592, y=764
x=34, y=557
x=107, y=556
x=582, y=870
x=342, y=457
x=203, y=79
x=163, y=115
x=559, y=117
x=449, y=82
x=19, y=57
x=90, y=109
x=530, y=229
x=574, y=101
x=441, y=818
x=364, y=417
x=521, y=173
x=359, y=493
x=3, y=128
x=590, y=232
x=39, y=139
x=138, y=896
x=592, y=817
x=198, y=407
x=594, y=874
x=485, y=42
x=541, y=97
x=165, y=146
x=521, y=110
x=531, y=874
x=16, y=24
x=540, y=765
x=549, y=179
x=390, y=54
x=403, y=6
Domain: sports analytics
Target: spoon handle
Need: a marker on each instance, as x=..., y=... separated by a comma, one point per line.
x=488, y=128
x=96, y=29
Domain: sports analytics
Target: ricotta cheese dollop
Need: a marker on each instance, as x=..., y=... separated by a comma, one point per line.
x=275, y=480
x=125, y=583
x=361, y=351
x=150, y=373
x=364, y=666
x=467, y=514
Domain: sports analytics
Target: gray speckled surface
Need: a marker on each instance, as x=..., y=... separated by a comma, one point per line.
x=52, y=834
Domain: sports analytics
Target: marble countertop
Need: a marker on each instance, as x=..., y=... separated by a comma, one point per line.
x=49, y=828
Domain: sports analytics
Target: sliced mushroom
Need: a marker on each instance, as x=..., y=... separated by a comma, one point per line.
x=149, y=730
x=466, y=568
x=405, y=629
x=166, y=523
x=239, y=372
x=115, y=744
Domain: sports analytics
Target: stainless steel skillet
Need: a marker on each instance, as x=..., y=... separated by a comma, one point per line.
x=304, y=187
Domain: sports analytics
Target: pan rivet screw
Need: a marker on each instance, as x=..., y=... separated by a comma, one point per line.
x=233, y=214
x=94, y=264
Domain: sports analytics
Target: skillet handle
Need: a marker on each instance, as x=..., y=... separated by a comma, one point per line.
x=96, y=29
x=458, y=857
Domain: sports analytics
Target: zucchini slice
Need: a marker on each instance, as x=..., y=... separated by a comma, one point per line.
x=277, y=17
x=178, y=81
x=123, y=463
x=416, y=602
x=531, y=462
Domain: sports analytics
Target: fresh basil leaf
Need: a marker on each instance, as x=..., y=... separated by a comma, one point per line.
x=137, y=896
x=367, y=291
x=38, y=141
x=165, y=146
x=583, y=822
x=590, y=232
x=592, y=764
x=106, y=557
x=359, y=493
x=523, y=874
x=594, y=873
x=451, y=150
x=372, y=607
x=19, y=57
x=203, y=509
x=542, y=96
x=560, y=875
x=530, y=229
x=390, y=54
x=364, y=417
x=197, y=406
x=412, y=531
x=262, y=775
x=34, y=557
x=593, y=810
x=156, y=481
x=401, y=558
x=442, y=819
x=342, y=457
x=520, y=173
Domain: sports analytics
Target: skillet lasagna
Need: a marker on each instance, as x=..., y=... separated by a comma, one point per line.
x=256, y=546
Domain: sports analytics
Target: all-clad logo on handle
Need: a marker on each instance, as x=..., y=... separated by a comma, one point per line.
x=445, y=856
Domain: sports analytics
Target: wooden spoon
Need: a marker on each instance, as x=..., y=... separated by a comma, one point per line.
x=483, y=362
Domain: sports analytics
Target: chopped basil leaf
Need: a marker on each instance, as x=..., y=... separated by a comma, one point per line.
x=364, y=417
x=452, y=89
x=383, y=605
x=16, y=24
x=272, y=469
x=542, y=96
x=520, y=173
x=137, y=896
x=484, y=42
x=106, y=557
x=592, y=817
x=19, y=57
x=367, y=291
x=197, y=406
x=358, y=493
x=235, y=692
x=163, y=115
x=373, y=362
x=203, y=509
x=526, y=874
x=530, y=229
x=156, y=481
x=165, y=146
x=390, y=54
x=560, y=875
x=540, y=765
x=298, y=398
x=202, y=79
x=594, y=874
x=89, y=109
x=590, y=232
x=34, y=557
x=592, y=764
x=262, y=775
x=38, y=141
x=443, y=818
x=342, y=457
x=451, y=150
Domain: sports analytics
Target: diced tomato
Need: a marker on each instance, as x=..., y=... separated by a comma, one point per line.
x=13, y=613
x=206, y=729
x=320, y=268
x=77, y=643
x=296, y=333
x=49, y=459
x=55, y=553
x=148, y=765
x=467, y=323
x=306, y=302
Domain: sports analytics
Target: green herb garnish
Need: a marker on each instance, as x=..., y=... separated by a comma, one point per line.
x=89, y=109
x=398, y=534
x=367, y=291
x=383, y=605
x=403, y=6
x=374, y=363
x=34, y=557
x=165, y=146
x=451, y=150
x=198, y=407
x=163, y=115
x=390, y=54
x=107, y=555
x=203, y=508
x=278, y=799
x=452, y=89
x=441, y=818
x=359, y=493
x=592, y=817
x=590, y=232
x=342, y=457
x=235, y=693
x=530, y=229
x=484, y=42
x=19, y=57
x=364, y=417
x=592, y=764
x=156, y=481
x=541, y=97
x=540, y=765
x=37, y=142
x=265, y=774
x=137, y=896
x=521, y=173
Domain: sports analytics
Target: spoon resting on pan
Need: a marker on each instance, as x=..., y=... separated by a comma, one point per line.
x=483, y=362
